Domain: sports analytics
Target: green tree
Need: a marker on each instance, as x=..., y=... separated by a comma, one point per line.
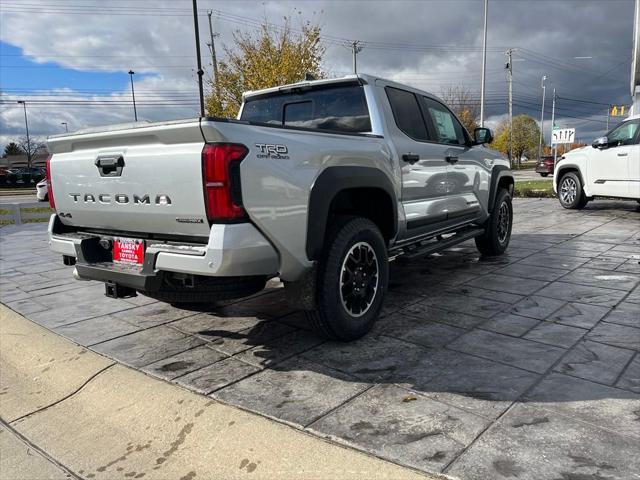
x=12, y=148
x=526, y=135
x=274, y=56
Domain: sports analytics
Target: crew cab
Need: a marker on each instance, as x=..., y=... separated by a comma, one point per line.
x=320, y=183
x=610, y=167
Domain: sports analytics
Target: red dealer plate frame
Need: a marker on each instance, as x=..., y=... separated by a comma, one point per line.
x=128, y=250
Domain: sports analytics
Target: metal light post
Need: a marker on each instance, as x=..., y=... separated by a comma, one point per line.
x=553, y=126
x=544, y=90
x=133, y=95
x=66, y=126
x=26, y=125
x=484, y=62
x=198, y=58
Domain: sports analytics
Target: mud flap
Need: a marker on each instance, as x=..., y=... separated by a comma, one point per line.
x=301, y=294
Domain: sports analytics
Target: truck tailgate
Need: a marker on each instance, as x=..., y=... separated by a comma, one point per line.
x=133, y=178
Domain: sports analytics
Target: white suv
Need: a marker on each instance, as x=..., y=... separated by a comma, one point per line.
x=610, y=167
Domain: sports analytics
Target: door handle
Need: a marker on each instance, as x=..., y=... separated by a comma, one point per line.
x=451, y=158
x=411, y=158
x=622, y=154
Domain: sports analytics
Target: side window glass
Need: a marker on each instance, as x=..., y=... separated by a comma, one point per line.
x=625, y=134
x=446, y=125
x=406, y=113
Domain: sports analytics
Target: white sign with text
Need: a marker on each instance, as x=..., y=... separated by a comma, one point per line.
x=563, y=135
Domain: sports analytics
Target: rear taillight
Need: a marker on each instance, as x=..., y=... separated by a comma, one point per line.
x=221, y=176
x=52, y=202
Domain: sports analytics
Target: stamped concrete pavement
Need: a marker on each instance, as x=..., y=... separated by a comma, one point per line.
x=522, y=366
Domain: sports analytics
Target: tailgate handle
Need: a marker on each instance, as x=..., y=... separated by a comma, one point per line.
x=110, y=165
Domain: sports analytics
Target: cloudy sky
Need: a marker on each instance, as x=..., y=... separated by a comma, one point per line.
x=69, y=58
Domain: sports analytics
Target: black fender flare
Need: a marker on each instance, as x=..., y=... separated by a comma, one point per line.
x=567, y=166
x=498, y=173
x=327, y=185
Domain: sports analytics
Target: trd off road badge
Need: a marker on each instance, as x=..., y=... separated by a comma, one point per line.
x=268, y=150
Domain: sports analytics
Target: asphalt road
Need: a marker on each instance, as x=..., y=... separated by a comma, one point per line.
x=526, y=175
x=18, y=198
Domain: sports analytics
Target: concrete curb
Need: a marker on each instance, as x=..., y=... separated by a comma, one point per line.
x=97, y=419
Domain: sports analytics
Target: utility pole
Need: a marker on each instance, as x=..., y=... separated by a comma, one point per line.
x=198, y=57
x=608, y=113
x=26, y=125
x=510, y=80
x=66, y=126
x=356, y=48
x=133, y=95
x=214, y=60
x=553, y=125
x=544, y=91
x=484, y=62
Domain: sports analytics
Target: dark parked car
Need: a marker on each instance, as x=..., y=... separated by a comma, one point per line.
x=4, y=175
x=25, y=175
x=545, y=166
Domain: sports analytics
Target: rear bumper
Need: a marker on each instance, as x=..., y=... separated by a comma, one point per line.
x=232, y=250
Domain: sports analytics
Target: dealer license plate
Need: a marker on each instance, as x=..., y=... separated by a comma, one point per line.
x=128, y=250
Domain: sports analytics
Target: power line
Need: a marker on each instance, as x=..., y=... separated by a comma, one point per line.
x=584, y=101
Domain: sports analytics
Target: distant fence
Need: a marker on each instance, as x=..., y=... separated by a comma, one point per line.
x=18, y=213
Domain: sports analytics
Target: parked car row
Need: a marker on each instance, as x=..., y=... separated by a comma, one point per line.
x=25, y=175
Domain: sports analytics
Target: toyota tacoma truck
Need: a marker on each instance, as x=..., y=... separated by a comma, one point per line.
x=320, y=183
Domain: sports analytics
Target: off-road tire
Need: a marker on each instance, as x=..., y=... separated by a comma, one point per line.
x=495, y=239
x=207, y=289
x=578, y=200
x=332, y=319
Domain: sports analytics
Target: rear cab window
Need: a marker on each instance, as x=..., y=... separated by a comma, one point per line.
x=338, y=108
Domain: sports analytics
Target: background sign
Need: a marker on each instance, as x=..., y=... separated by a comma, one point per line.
x=617, y=111
x=563, y=135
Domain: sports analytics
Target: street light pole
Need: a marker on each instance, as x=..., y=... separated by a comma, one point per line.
x=544, y=91
x=553, y=125
x=133, y=95
x=26, y=125
x=66, y=127
x=484, y=62
x=198, y=58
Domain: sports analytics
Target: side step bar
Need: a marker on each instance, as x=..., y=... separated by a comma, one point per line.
x=426, y=247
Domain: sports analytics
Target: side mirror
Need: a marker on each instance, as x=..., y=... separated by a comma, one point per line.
x=601, y=142
x=482, y=135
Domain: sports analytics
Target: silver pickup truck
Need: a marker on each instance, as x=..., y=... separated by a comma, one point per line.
x=319, y=183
